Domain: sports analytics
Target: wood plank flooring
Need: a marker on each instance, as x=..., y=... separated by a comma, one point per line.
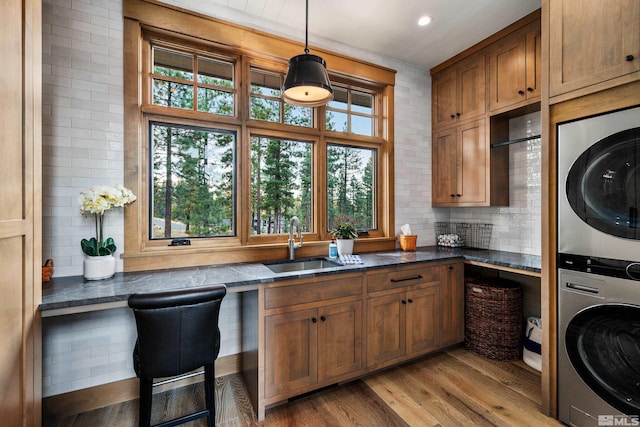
x=453, y=388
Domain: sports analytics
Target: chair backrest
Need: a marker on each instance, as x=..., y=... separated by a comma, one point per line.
x=177, y=330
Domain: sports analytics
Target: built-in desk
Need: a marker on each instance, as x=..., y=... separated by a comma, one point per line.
x=73, y=294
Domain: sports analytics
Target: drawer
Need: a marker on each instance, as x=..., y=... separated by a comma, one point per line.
x=318, y=290
x=403, y=277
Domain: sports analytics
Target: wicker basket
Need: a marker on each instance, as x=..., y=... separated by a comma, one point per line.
x=408, y=242
x=493, y=318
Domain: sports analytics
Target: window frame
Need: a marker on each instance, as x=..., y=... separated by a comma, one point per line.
x=143, y=26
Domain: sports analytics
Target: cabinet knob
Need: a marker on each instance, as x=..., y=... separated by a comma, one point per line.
x=458, y=114
x=458, y=195
x=629, y=58
x=452, y=195
x=314, y=320
x=520, y=92
x=453, y=116
x=404, y=301
x=529, y=89
x=410, y=301
x=323, y=318
x=451, y=268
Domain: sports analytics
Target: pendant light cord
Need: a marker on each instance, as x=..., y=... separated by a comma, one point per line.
x=306, y=30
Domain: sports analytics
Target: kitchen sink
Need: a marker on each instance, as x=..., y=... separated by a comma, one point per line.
x=300, y=265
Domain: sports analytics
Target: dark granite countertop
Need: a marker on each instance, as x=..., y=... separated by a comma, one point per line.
x=74, y=291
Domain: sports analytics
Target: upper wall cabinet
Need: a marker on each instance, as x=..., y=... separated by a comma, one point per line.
x=595, y=49
x=514, y=68
x=459, y=92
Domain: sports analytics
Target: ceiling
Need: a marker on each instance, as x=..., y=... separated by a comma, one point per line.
x=384, y=27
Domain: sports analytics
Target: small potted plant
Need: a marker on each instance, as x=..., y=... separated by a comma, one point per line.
x=100, y=263
x=345, y=233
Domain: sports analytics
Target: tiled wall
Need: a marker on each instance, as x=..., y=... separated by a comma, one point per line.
x=516, y=228
x=82, y=118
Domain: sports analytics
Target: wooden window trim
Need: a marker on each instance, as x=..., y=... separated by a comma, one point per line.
x=234, y=41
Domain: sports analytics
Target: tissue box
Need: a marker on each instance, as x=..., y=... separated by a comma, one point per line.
x=408, y=242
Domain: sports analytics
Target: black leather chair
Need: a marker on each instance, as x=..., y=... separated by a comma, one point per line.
x=177, y=333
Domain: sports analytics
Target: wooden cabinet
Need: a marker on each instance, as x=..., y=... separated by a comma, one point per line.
x=462, y=168
x=313, y=334
x=593, y=47
x=403, y=314
x=514, y=68
x=459, y=92
x=452, y=304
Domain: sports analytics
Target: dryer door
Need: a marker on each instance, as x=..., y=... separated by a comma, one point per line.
x=603, y=185
x=603, y=344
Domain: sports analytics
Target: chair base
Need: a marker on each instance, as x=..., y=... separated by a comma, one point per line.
x=184, y=419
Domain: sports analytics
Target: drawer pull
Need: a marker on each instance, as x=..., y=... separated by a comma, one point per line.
x=419, y=276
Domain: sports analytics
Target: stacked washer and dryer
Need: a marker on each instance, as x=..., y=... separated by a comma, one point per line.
x=599, y=270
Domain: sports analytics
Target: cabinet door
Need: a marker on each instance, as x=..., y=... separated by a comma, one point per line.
x=471, y=87
x=533, y=61
x=385, y=328
x=444, y=167
x=339, y=340
x=444, y=98
x=472, y=165
x=592, y=44
x=507, y=72
x=423, y=320
x=452, y=304
x=291, y=355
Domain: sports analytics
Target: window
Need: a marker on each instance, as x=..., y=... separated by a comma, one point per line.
x=174, y=86
x=217, y=157
x=351, y=186
x=193, y=182
x=351, y=111
x=280, y=185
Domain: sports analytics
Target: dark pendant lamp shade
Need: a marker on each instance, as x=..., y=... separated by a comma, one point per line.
x=307, y=82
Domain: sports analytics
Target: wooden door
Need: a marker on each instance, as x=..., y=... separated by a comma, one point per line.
x=339, y=340
x=592, y=44
x=423, y=320
x=452, y=304
x=472, y=168
x=444, y=98
x=20, y=212
x=471, y=87
x=444, y=167
x=291, y=361
x=507, y=72
x=386, y=319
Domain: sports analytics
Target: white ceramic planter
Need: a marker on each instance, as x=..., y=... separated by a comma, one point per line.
x=345, y=246
x=99, y=267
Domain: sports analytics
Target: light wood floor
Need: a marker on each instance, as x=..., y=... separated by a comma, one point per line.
x=454, y=388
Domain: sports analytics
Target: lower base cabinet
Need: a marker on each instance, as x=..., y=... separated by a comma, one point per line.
x=321, y=331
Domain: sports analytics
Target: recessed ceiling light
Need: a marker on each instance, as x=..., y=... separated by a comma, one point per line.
x=424, y=20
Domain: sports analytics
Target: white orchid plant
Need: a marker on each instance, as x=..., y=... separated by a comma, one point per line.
x=96, y=201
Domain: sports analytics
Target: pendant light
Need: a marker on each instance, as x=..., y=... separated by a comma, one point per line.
x=307, y=82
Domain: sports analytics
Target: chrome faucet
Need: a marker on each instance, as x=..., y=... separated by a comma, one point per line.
x=292, y=244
